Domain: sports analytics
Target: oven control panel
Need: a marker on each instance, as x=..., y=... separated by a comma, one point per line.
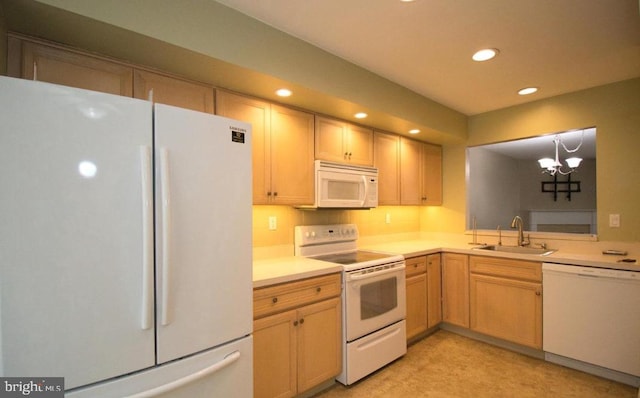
x=320, y=234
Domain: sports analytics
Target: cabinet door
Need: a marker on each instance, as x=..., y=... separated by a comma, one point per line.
x=319, y=343
x=431, y=174
x=53, y=65
x=274, y=356
x=387, y=160
x=330, y=136
x=360, y=145
x=258, y=113
x=292, y=141
x=171, y=91
x=416, y=305
x=434, y=290
x=507, y=308
x=410, y=173
x=455, y=289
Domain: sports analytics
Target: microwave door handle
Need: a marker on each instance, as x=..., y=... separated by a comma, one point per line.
x=366, y=194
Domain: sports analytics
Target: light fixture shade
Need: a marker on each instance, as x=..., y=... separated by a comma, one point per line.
x=573, y=162
x=547, y=163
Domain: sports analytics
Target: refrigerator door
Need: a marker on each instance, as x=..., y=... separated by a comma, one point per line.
x=203, y=231
x=225, y=371
x=71, y=233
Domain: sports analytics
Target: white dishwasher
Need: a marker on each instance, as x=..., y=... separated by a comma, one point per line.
x=592, y=315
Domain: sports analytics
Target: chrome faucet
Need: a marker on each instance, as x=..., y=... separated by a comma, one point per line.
x=517, y=223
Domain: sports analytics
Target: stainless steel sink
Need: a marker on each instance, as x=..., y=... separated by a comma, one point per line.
x=517, y=249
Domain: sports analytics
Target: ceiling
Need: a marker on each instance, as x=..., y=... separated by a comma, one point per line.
x=426, y=45
x=543, y=146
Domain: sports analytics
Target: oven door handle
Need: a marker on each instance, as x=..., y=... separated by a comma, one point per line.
x=375, y=274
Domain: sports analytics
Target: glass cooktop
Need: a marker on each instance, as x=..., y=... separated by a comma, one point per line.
x=356, y=257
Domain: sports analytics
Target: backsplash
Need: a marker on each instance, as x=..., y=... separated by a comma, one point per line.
x=383, y=220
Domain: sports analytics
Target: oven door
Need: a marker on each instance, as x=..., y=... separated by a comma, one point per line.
x=375, y=297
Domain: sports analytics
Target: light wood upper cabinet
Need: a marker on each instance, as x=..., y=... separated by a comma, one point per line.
x=420, y=173
x=455, y=289
x=342, y=142
x=506, y=299
x=54, y=65
x=431, y=174
x=282, y=148
x=386, y=150
x=171, y=91
x=292, y=171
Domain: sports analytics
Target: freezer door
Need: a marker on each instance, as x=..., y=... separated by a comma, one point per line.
x=225, y=371
x=71, y=233
x=203, y=231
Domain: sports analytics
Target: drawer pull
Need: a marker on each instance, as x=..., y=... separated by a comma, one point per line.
x=274, y=300
x=318, y=289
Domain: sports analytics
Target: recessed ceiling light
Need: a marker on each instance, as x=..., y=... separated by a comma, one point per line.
x=527, y=90
x=283, y=92
x=414, y=131
x=360, y=115
x=485, y=54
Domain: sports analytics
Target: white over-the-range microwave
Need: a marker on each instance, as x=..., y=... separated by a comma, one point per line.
x=345, y=186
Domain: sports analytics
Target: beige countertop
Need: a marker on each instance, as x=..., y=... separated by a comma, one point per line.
x=290, y=268
x=286, y=269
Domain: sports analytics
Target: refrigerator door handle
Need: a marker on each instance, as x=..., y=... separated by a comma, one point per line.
x=147, y=237
x=165, y=180
x=228, y=360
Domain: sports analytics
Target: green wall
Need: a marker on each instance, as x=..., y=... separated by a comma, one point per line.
x=209, y=42
x=613, y=109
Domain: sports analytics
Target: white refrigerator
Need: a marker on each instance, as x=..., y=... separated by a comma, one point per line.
x=125, y=245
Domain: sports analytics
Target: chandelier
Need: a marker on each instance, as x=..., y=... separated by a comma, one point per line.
x=553, y=166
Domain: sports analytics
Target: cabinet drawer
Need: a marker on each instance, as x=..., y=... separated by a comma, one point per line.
x=416, y=265
x=527, y=270
x=272, y=299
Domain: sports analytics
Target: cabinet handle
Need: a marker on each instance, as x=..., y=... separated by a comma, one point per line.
x=301, y=321
x=349, y=155
x=415, y=265
x=537, y=293
x=274, y=300
x=318, y=289
x=295, y=323
x=268, y=193
x=275, y=194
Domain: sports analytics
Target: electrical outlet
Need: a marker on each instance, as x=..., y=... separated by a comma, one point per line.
x=387, y=218
x=273, y=223
x=614, y=220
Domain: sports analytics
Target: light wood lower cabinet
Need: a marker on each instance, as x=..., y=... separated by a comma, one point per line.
x=455, y=289
x=424, y=294
x=506, y=299
x=416, y=286
x=297, y=336
x=434, y=289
